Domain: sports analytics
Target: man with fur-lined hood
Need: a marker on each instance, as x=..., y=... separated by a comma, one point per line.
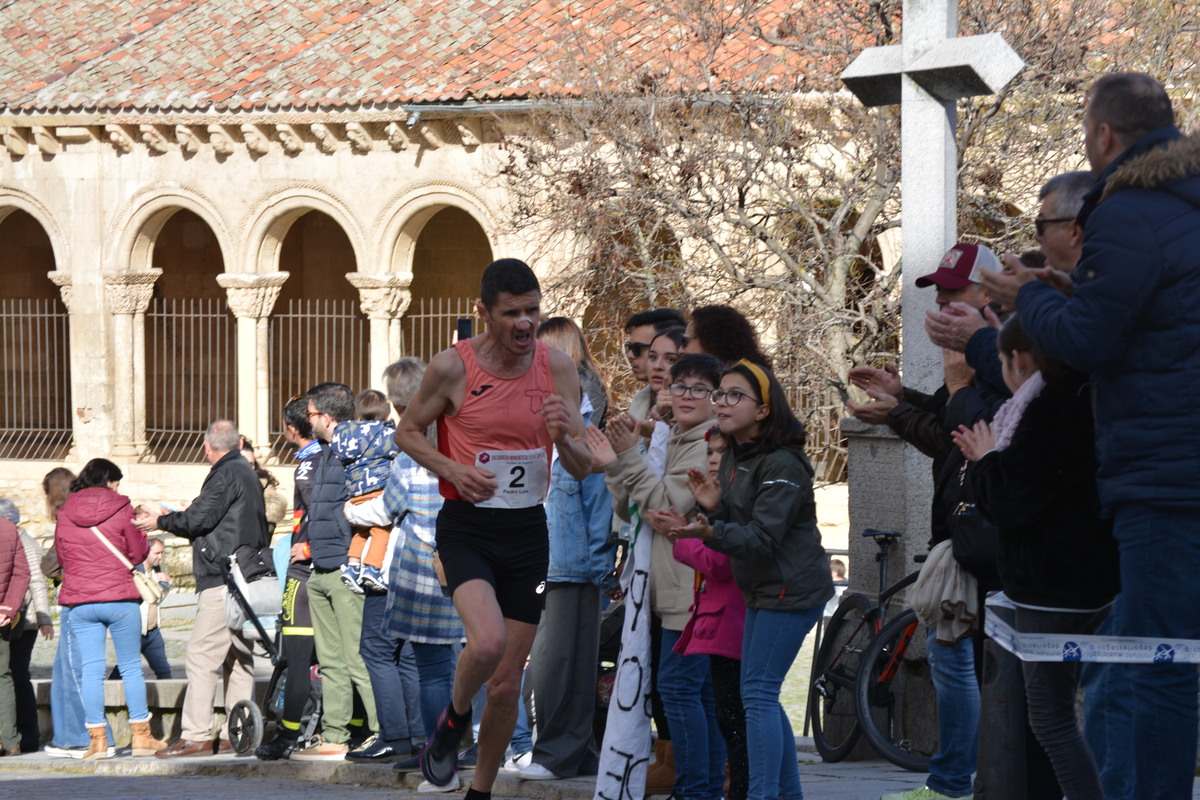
x=1133, y=322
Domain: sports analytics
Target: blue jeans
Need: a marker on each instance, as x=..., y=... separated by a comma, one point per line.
x=1108, y=716
x=393, y=672
x=770, y=645
x=66, y=689
x=91, y=621
x=435, y=666
x=957, y=691
x=522, y=738
x=685, y=684
x=155, y=651
x=1142, y=718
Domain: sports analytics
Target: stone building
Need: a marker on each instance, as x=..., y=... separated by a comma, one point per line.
x=207, y=207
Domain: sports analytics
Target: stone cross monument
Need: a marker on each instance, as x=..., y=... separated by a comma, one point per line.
x=931, y=68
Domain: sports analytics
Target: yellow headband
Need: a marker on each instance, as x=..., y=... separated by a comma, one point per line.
x=764, y=384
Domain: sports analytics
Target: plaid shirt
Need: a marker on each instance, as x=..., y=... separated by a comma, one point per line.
x=417, y=611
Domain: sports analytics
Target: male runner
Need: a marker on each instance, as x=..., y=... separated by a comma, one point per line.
x=500, y=399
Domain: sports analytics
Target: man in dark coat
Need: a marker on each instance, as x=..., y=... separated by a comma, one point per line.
x=228, y=514
x=1132, y=320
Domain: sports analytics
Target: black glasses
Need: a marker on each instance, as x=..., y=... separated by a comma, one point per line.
x=636, y=349
x=1041, y=223
x=694, y=392
x=730, y=398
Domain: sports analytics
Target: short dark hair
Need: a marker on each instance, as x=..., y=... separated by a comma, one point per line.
x=1132, y=104
x=660, y=318
x=674, y=333
x=724, y=332
x=97, y=472
x=1014, y=337
x=334, y=399
x=296, y=415
x=698, y=365
x=372, y=405
x=1071, y=188
x=781, y=427
x=506, y=275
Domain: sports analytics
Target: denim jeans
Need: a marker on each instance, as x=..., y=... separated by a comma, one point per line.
x=1160, y=597
x=435, y=668
x=66, y=688
x=769, y=646
x=394, y=680
x=957, y=689
x=522, y=738
x=1107, y=716
x=91, y=621
x=154, y=649
x=685, y=683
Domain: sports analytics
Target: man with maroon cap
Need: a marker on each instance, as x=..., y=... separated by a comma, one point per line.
x=916, y=416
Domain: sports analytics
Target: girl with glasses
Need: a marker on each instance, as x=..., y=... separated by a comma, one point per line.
x=760, y=512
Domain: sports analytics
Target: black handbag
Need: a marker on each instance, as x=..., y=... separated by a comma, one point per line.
x=255, y=563
x=975, y=542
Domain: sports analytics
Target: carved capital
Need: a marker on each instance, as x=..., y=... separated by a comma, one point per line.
x=62, y=279
x=155, y=139
x=471, y=131
x=188, y=138
x=130, y=292
x=252, y=295
x=14, y=140
x=47, y=142
x=220, y=139
x=256, y=139
x=431, y=132
x=121, y=138
x=326, y=141
x=383, y=296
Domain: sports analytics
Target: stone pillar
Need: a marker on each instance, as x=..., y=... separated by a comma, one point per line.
x=128, y=295
x=251, y=296
x=384, y=299
x=62, y=279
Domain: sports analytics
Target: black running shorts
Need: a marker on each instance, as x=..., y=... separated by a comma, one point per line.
x=507, y=547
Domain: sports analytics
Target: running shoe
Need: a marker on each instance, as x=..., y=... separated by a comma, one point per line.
x=350, y=573
x=371, y=580
x=453, y=786
x=439, y=754
x=468, y=758
x=517, y=762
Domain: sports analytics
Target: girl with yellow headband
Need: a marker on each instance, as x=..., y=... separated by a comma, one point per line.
x=760, y=511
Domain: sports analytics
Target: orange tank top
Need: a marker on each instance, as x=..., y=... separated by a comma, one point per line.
x=497, y=414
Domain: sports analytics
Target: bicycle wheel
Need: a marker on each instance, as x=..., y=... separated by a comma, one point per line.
x=831, y=692
x=888, y=712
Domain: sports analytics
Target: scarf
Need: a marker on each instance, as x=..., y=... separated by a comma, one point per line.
x=1009, y=415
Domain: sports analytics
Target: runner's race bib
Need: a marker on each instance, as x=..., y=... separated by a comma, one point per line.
x=523, y=476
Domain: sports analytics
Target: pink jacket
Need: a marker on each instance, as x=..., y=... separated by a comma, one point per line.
x=91, y=573
x=719, y=613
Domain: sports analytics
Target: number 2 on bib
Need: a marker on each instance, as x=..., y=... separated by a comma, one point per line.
x=523, y=477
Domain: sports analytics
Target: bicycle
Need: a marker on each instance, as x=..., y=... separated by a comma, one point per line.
x=838, y=722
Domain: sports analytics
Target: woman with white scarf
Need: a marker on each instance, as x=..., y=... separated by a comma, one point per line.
x=1035, y=479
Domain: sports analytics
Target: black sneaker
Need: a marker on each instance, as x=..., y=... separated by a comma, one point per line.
x=377, y=751
x=469, y=757
x=439, y=755
x=279, y=747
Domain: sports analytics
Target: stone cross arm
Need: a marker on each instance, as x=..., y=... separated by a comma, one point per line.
x=951, y=69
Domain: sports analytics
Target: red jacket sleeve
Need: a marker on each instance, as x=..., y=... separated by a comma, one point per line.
x=18, y=580
x=134, y=543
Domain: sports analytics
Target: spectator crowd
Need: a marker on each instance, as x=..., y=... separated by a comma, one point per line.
x=454, y=562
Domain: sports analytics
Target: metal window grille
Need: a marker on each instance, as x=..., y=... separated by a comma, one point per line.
x=35, y=372
x=191, y=375
x=313, y=341
x=430, y=327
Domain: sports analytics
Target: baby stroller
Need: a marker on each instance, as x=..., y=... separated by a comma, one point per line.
x=256, y=607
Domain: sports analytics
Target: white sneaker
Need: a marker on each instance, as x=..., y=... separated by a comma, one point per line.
x=536, y=772
x=518, y=762
x=80, y=752
x=453, y=786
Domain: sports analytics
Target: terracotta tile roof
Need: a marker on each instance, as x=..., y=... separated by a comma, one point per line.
x=214, y=55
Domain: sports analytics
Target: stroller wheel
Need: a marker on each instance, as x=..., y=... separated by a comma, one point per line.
x=245, y=727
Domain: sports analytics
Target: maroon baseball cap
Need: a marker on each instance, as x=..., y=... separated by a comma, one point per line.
x=960, y=267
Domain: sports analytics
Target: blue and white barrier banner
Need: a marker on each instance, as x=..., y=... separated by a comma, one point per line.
x=1073, y=647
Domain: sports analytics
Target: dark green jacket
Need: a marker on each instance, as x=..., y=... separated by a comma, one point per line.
x=767, y=525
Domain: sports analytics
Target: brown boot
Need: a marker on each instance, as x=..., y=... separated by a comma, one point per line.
x=143, y=743
x=97, y=744
x=660, y=777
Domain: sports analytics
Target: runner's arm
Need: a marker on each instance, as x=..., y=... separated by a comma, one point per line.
x=563, y=419
x=445, y=375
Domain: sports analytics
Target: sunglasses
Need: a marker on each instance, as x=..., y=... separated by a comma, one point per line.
x=1040, y=223
x=636, y=349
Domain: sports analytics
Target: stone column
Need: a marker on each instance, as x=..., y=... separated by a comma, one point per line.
x=128, y=295
x=384, y=299
x=62, y=279
x=251, y=296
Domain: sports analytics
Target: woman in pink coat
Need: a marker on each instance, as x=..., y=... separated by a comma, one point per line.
x=715, y=630
x=103, y=598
